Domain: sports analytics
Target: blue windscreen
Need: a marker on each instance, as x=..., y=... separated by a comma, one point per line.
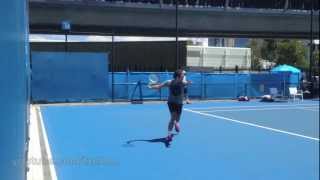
x=71, y=76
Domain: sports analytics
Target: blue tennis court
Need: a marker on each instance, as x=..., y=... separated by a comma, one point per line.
x=218, y=140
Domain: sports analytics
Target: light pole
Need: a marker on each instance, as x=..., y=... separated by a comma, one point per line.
x=311, y=43
x=112, y=66
x=177, y=39
x=66, y=28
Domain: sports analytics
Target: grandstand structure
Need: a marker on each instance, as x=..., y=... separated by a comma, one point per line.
x=219, y=57
x=181, y=18
x=256, y=4
x=138, y=56
x=192, y=18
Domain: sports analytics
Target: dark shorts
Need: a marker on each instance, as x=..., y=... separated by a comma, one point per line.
x=173, y=107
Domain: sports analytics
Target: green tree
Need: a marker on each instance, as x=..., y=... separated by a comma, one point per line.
x=291, y=52
x=269, y=50
x=255, y=54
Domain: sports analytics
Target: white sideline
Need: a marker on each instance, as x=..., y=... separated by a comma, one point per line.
x=310, y=109
x=255, y=109
x=47, y=147
x=36, y=152
x=253, y=125
x=35, y=170
x=239, y=107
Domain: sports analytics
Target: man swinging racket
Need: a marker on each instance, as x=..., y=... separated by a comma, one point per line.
x=175, y=100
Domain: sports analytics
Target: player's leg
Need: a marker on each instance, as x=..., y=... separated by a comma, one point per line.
x=186, y=95
x=177, y=122
x=172, y=122
x=173, y=118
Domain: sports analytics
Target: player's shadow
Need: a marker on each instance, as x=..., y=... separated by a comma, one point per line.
x=163, y=140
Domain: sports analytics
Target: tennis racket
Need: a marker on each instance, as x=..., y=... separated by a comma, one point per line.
x=153, y=79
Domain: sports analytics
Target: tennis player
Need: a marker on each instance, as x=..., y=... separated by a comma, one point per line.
x=175, y=100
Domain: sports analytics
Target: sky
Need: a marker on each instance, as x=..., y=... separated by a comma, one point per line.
x=91, y=38
x=76, y=38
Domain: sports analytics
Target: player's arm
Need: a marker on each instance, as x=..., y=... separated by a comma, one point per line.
x=159, y=86
x=187, y=82
x=156, y=86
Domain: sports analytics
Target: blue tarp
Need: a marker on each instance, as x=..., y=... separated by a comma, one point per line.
x=285, y=68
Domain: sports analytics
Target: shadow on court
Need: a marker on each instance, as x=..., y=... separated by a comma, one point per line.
x=163, y=140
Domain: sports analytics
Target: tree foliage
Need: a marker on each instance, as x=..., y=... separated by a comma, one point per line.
x=269, y=50
x=255, y=54
x=291, y=52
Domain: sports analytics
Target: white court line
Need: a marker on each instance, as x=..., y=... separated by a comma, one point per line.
x=35, y=171
x=232, y=107
x=52, y=169
x=310, y=109
x=253, y=109
x=251, y=124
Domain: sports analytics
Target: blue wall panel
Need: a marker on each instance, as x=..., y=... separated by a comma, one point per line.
x=260, y=84
x=204, y=85
x=124, y=89
x=220, y=86
x=14, y=88
x=195, y=89
x=208, y=85
x=59, y=76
